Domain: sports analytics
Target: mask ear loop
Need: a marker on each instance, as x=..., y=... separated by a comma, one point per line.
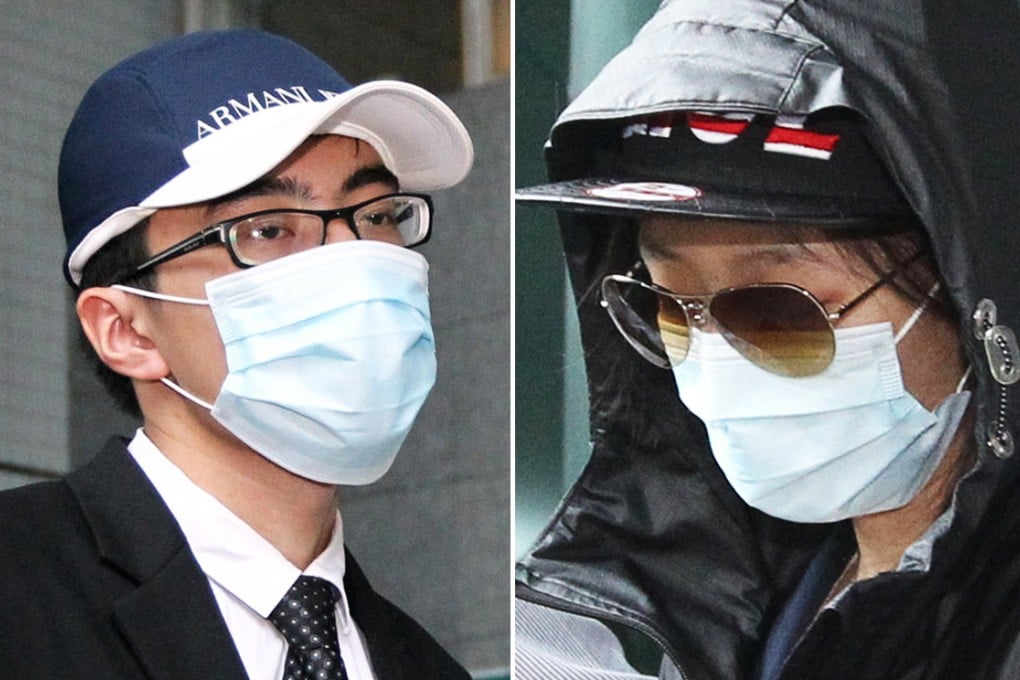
x=170, y=298
x=187, y=395
x=913, y=320
x=964, y=379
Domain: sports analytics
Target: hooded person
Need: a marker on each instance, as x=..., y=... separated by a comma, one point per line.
x=784, y=226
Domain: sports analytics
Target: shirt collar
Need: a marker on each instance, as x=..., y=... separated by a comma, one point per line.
x=227, y=549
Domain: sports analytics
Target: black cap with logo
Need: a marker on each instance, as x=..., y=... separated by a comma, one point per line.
x=819, y=169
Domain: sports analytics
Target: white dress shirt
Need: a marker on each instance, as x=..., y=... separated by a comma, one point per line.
x=247, y=574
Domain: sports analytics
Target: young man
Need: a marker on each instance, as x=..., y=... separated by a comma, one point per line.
x=796, y=315
x=239, y=223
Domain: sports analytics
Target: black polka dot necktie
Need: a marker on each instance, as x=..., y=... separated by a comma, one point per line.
x=307, y=618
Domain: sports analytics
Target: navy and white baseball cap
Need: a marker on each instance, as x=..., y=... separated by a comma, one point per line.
x=205, y=114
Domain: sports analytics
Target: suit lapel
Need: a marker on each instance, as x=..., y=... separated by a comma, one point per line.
x=398, y=646
x=175, y=627
x=170, y=620
x=386, y=647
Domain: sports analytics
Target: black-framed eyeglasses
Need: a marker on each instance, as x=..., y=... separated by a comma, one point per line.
x=780, y=327
x=404, y=219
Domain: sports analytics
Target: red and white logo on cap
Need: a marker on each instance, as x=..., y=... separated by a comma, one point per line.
x=789, y=136
x=645, y=191
x=718, y=128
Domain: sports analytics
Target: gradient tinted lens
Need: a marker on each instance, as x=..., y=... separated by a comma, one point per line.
x=674, y=328
x=780, y=328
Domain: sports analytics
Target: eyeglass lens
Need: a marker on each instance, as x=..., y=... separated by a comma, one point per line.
x=401, y=220
x=777, y=327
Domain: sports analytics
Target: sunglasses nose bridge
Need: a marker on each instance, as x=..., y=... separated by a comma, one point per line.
x=698, y=314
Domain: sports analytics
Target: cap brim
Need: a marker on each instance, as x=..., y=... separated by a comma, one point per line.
x=419, y=138
x=636, y=197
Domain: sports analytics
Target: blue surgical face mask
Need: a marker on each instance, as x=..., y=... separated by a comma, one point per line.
x=849, y=441
x=330, y=356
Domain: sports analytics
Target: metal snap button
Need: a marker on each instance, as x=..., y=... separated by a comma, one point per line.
x=985, y=316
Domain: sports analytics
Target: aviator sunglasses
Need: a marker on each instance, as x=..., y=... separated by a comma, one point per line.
x=779, y=327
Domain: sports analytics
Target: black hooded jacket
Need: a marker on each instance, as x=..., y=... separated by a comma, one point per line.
x=651, y=538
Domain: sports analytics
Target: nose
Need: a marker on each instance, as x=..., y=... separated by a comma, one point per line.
x=339, y=230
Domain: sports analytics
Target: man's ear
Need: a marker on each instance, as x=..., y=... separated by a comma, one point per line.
x=113, y=324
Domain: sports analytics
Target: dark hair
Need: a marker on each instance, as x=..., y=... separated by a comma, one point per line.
x=100, y=270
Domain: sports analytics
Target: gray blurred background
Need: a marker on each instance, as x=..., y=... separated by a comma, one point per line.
x=434, y=534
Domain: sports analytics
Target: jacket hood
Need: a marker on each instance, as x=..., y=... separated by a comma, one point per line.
x=651, y=534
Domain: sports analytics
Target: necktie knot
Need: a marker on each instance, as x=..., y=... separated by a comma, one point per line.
x=306, y=616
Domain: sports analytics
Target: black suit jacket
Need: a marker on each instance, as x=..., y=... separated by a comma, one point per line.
x=97, y=581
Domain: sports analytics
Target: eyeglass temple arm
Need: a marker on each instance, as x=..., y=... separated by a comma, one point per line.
x=886, y=278
x=213, y=234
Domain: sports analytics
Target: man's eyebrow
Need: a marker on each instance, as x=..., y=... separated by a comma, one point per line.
x=370, y=174
x=292, y=188
x=264, y=186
